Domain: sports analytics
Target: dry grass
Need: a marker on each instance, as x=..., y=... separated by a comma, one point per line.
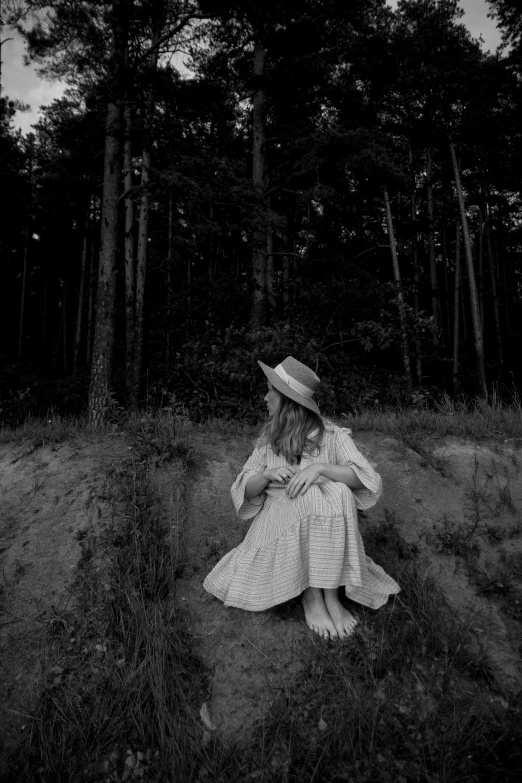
x=458, y=417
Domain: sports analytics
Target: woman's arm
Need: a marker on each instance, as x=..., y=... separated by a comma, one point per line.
x=304, y=478
x=343, y=473
x=256, y=484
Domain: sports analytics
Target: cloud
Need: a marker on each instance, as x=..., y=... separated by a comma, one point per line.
x=476, y=20
x=21, y=82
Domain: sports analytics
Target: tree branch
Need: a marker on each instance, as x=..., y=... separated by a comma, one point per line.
x=183, y=23
x=370, y=249
x=341, y=342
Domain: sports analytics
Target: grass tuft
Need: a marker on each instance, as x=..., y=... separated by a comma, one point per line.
x=458, y=417
x=122, y=688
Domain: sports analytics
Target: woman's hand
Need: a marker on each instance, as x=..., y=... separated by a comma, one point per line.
x=258, y=483
x=303, y=478
x=281, y=475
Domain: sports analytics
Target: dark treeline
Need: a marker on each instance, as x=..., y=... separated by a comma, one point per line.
x=338, y=181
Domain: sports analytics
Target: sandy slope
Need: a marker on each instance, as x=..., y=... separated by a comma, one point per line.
x=48, y=495
x=435, y=484
x=433, y=490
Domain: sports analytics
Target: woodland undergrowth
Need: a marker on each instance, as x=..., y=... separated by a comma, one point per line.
x=458, y=416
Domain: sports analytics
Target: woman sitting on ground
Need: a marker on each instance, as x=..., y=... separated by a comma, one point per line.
x=302, y=486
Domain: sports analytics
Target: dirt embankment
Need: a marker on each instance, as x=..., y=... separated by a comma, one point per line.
x=48, y=496
x=457, y=504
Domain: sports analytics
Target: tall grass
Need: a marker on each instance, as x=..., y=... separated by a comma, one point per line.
x=54, y=428
x=459, y=417
x=122, y=688
x=456, y=416
x=451, y=416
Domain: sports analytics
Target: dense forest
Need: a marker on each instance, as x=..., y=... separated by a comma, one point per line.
x=232, y=180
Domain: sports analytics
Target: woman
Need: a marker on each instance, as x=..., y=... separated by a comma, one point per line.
x=302, y=486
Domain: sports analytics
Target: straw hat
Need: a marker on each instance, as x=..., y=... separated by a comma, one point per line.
x=294, y=380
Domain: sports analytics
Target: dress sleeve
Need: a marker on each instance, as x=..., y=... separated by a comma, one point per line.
x=347, y=453
x=248, y=508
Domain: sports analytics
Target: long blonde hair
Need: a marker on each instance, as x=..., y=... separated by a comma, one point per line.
x=289, y=430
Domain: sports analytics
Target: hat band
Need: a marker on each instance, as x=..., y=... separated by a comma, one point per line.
x=300, y=388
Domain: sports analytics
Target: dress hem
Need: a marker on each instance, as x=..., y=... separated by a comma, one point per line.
x=374, y=604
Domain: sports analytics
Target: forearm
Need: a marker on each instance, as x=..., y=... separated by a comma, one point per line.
x=255, y=485
x=342, y=473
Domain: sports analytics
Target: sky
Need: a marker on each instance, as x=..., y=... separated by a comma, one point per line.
x=22, y=82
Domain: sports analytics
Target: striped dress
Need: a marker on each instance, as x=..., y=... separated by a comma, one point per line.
x=311, y=540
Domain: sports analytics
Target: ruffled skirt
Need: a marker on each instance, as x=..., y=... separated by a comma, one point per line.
x=309, y=541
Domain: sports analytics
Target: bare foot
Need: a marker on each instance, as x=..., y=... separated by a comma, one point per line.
x=342, y=619
x=316, y=615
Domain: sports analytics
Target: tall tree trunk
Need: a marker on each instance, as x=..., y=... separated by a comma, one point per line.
x=286, y=281
x=494, y=291
x=463, y=311
x=143, y=231
x=308, y=227
x=296, y=271
x=24, y=288
x=502, y=269
x=480, y=268
x=130, y=258
x=400, y=295
x=189, y=286
x=169, y=282
x=431, y=244
x=270, y=288
x=90, y=311
x=26, y=249
x=64, y=328
x=473, y=297
x=456, y=320
x=101, y=365
x=81, y=295
x=444, y=301
x=44, y=315
x=141, y=275
x=416, y=267
x=259, y=179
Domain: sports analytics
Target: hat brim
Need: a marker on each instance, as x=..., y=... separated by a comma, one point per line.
x=284, y=389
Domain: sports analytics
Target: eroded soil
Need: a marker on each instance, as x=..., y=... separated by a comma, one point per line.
x=458, y=505
x=49, y=495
